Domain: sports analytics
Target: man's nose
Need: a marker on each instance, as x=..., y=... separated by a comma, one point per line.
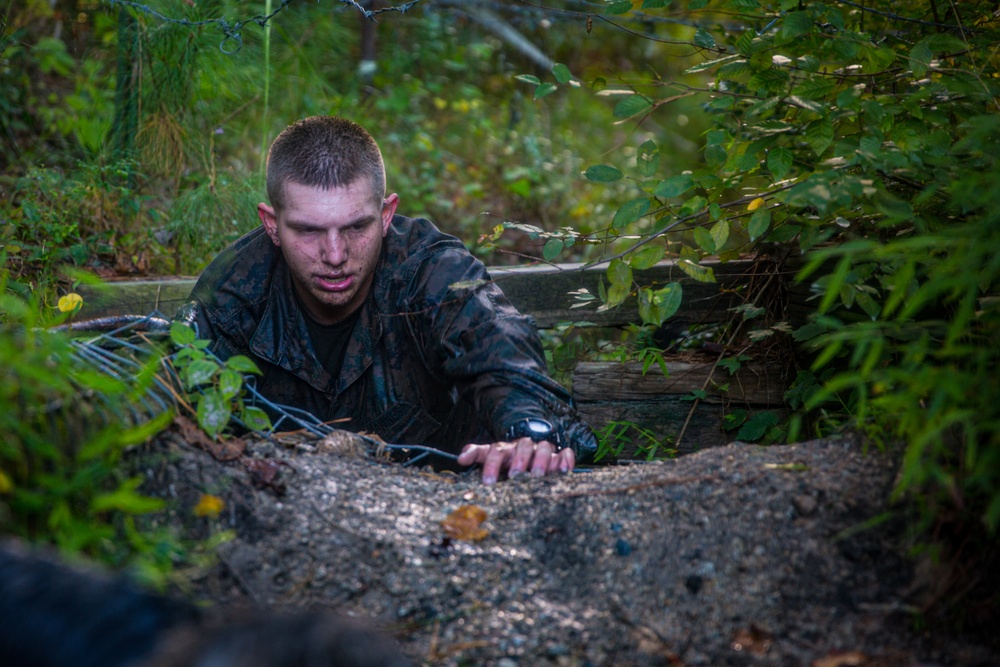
x=334, y=250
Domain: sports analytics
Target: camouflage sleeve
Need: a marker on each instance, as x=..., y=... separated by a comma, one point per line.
x=471, y=334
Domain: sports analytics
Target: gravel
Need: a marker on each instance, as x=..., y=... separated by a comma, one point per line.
x=737, y=555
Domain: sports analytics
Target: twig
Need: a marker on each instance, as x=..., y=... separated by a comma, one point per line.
x=663, y=481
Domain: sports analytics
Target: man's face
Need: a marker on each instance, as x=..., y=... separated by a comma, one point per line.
x=331, y=240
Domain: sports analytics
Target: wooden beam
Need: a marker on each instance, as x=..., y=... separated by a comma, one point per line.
x=544, y=292
x=755, y=383
x=615, y=394
x=541, y=291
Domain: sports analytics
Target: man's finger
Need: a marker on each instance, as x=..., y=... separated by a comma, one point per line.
x=524, y=450
x=563, y=461
x=543, y=454
x=472, y=454
x=498, y=454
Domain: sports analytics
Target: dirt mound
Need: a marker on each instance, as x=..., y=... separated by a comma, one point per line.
x=735, y=555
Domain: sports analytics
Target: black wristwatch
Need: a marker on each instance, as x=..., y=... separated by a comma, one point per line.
x=536, y=429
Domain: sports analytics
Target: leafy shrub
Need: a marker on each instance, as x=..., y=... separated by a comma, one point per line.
x=64, y=430
x=93, y=217
x=863, y=139
x=217, y=387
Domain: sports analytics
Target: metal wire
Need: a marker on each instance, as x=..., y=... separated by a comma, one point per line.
x=131, y=343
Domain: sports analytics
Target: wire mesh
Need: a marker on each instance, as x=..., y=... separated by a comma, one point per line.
x=135, y=350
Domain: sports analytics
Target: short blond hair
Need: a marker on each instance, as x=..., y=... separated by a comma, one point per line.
x=325, y=152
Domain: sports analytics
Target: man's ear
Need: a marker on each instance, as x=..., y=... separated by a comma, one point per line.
x=389, y=206
x=270, y=221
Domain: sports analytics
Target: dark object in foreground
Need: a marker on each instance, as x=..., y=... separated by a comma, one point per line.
x=52, y=615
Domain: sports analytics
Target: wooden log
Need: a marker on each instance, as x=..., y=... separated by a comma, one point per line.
x=544, y=292
x=135, y=297
x=663, y=417
x=541, y=291
x=608, y=393
x=755, y=383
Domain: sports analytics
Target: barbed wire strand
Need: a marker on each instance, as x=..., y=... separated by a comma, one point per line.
x=233, y=31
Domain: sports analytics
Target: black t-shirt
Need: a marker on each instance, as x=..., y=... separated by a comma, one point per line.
x=330, y=340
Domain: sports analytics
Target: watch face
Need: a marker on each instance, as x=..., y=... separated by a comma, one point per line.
x=539, y=427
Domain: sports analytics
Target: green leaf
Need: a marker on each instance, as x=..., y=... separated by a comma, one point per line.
x=734, y=419
x=619, y=273
x=881, y=58
x=810, y=331
x=920, y=58
x=647, y=257
x=868, y=304
x=255, y=419
x=704, y=240
x=602, y=173
x=230, y=383
x=647, y=160
x=815, y=88
x=693, y=205
x=657, y=307
x=182, y=334
x=796, y=24
x=836, y=280
x=779, y=162
x=199, y=372
x=771, y=80
x=703, y=274
x=819, y=134
x=759, y=222
x=552, y=249
x=655, y=4
x=528, y=78
x=715, y=155
x=942, y=41
x=704, y=39
x=697, y=4
x=630, y=212
x=668, y=301
x=632, y=105
x=710, y=64
x=647, y=310
x=213, y=412
x=243, y=364
x=745, y=42
x=125, y=499
x=674, y=186
x=619, y=7
x=720, y=234
x=755, y=427
x=545, y=89
x=562, y=73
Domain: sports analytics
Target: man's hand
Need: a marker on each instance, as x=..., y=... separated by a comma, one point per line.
x=522, y=455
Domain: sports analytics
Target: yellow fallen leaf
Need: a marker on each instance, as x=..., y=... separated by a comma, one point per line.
x=70, y=302
x=209, y=506
x=6, y=483
x=755, y=204
x=465, y=524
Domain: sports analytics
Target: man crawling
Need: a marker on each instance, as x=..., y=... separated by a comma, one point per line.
x=379, y=321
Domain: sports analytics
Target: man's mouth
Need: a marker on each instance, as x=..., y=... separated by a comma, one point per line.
x=334, y=283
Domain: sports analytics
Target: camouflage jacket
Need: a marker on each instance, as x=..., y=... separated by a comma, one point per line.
x=429, y=362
